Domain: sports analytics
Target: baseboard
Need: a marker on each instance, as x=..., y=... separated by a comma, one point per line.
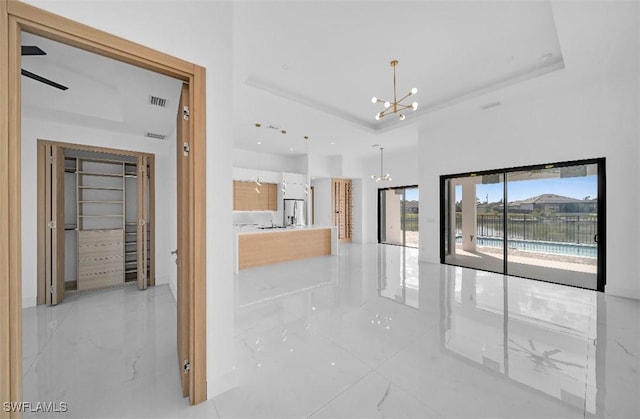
x=223, y=383
x=162, y=279
x=29, y=302
x=622, y=292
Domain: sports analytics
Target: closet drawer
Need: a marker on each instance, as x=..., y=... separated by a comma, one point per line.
x=100, y=258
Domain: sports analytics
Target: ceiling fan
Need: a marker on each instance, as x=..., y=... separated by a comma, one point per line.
x=34, y=50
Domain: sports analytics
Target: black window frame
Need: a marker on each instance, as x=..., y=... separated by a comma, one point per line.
x=602, y=214
x=380, y=215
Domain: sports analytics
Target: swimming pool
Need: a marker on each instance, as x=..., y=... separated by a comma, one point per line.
x=554, y=248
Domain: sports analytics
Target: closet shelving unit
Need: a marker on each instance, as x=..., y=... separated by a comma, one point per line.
x=106, y=221
x=101, y=212
x=130, y=231
x=131, y=173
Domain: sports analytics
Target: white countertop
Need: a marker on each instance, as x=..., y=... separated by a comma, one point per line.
x=254, y=229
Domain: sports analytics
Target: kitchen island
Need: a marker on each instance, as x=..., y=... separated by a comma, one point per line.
x=266, y=246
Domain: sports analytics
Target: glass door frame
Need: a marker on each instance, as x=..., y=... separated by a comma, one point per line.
x=602, y=215
x=380, y=215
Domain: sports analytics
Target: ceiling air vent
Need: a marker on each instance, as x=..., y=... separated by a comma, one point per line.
x=157, y=101
x=155, y=136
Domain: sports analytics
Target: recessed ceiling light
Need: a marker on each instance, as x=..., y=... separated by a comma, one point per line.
x=291, y=149
x=259, y=142
x=285, y=66
x=332, y=143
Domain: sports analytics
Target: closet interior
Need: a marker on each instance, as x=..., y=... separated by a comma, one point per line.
x=107, y=202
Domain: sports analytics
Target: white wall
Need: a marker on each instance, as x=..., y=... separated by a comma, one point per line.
x=597, y=119
x=337, y=166
x=34, y=129
x=319, y=166
x=184, y=27
x=322, y=204
x=268, y=161
x=358, y=210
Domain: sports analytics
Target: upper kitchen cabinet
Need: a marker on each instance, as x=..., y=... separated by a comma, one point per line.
x=294, y=188
x=248, y=196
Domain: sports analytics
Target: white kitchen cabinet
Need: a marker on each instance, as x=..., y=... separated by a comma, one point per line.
x=250, y=175
x=295, y=185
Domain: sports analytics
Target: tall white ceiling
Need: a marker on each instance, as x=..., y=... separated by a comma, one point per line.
x=325, y=60
x=311, y=68
x=102, y=93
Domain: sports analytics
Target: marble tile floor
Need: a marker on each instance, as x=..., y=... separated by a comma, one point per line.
x=107, y=354
x=371, y=333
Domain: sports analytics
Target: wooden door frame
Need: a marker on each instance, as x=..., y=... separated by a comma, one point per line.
x=16, y=17
x=41, y=144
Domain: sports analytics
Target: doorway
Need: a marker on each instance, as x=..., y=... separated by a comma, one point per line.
x=342, y=208
x=96, y=219
x=398, y=212
x=16, y=17
x=544, y=222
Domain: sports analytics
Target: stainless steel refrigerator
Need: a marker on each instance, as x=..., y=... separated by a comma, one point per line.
x=294, y=214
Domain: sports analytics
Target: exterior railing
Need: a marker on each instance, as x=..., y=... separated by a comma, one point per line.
x=578, y=229
x=409, y=223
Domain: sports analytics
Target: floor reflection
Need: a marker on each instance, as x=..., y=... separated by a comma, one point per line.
x=427, y=340
x=538, y=334
x=399, y=274
x=372, y=332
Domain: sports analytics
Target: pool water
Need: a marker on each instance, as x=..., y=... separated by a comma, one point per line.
x=553, y=248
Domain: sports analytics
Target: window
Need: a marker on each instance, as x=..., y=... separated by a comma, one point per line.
x=551, y=228
x=398, y=214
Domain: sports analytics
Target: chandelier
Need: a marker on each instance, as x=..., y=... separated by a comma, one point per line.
x=382, y=175
x=396, y=106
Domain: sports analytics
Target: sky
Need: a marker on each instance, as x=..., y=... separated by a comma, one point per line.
x=412, y=194
x=574, y=187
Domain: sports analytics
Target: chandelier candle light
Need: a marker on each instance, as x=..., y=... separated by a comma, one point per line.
x=396, y=106
x=382, y=176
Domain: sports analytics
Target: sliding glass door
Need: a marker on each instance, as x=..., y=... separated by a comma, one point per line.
x=398, y=210
x=553, y=224
x=474, y=221
x=550, y=229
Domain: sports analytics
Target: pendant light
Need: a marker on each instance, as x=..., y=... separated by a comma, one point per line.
x=382, y=176
x=258, y=187
x=307, y=187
